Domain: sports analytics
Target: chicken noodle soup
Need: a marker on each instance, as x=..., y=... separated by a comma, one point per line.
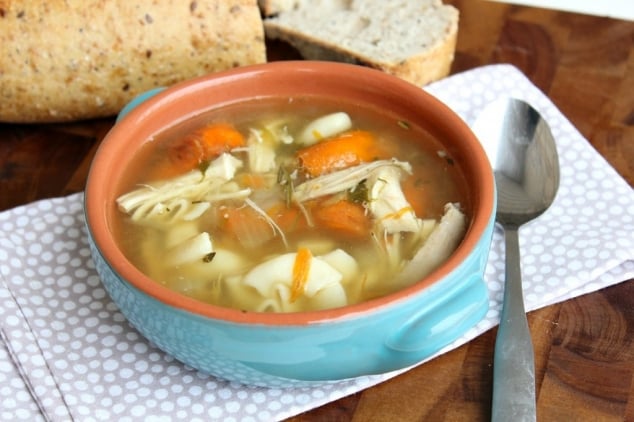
x=289, y=206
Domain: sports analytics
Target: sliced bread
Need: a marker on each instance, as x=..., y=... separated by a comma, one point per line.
x=412, y=39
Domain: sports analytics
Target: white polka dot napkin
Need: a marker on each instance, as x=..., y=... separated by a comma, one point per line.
x=68, y=354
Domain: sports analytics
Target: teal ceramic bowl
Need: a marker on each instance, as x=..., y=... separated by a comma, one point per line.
x=296, y=349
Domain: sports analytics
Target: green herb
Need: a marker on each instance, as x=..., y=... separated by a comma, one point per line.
x=403, y=124
x=359, y=194
x=448, y=159
x=282, y=175
x=203, y=166
x=285, y=181
x=209, y=257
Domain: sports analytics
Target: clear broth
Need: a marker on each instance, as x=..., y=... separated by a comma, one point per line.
x=435, y=178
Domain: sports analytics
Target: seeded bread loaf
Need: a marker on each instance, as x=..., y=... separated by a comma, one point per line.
x=412, y=39
x=78, y=59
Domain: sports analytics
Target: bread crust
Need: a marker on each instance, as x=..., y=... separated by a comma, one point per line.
x=429, y=64
x=273, y=7
x=79, y=59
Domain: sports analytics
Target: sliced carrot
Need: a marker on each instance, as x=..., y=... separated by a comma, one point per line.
x=415, y=193
x=203, y=144
x=288, y=218
x=344, y=217
x=246, y=225
x=301, y=268
x=185, y=155
x=217, y=138
x=345, y=150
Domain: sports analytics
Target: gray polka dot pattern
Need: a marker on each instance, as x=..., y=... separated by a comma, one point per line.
x=83, y=361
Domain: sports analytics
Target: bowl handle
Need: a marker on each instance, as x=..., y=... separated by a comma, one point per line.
x=434, y=327
x=138, y=100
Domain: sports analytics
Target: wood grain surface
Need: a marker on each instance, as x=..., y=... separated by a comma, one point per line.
x=584, y=347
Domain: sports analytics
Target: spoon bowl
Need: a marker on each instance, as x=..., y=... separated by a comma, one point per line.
x=523, y=154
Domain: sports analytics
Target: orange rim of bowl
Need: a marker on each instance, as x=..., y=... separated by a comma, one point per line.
x=278, y=79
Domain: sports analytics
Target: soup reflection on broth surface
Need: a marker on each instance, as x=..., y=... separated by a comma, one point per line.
x=295, y=205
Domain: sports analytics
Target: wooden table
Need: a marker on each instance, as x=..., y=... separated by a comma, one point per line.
x=584, y=347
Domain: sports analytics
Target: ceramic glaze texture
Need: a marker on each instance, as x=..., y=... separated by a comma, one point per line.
x=282, y=350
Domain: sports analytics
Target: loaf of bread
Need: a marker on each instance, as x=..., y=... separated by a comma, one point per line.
x=412, y=39
x=79, y=59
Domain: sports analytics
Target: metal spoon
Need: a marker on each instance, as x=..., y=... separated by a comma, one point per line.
x=523, y=154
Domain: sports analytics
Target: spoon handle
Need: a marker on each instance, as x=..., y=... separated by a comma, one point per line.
x=514, y=361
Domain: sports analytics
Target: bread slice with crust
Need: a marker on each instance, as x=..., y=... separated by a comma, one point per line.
x=412, y=39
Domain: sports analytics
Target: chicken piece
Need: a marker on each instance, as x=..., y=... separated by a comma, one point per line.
x=441, y=243
x=387, y=202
